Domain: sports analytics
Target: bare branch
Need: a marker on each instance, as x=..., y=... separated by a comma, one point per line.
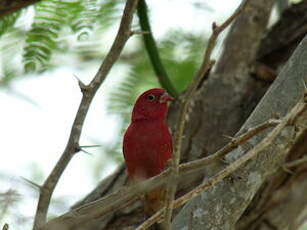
x=236, y=195
x=105, y=205
x=89, y=92
x=260, y=147
x=234, y=143
x=120, y=198
x=296, y=162
x=201, y=74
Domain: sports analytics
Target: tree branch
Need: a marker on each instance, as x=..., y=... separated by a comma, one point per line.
x=212, y=117
x=296, y=162
x=235, y=195
x=88, y=92
x=201, y=74
x=152, y=50
x=120, y=198
x=259, y=148
x=230, y=79
x=233, y=144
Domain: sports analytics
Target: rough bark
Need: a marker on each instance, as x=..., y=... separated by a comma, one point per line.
x=223, y=205
x=230, y=80
x=286, y=190
x=281, y=41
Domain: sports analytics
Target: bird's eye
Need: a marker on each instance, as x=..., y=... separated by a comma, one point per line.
x=151, y=97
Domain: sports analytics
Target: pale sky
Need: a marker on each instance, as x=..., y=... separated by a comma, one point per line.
x=37, y=134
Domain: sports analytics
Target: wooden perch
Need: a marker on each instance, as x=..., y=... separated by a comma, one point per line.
x=126, y=195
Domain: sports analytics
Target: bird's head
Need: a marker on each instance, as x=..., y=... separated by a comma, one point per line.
x=151, y=105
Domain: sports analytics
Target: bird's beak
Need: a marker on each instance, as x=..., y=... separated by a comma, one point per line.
x=165, y=98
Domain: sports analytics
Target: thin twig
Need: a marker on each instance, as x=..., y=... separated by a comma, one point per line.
x=32, y=183
x=88, y=92
x=296, y=162
x=89, y=146
x=150, y=221
x=260, y=147
x=152, y=50
x=233, y=144
x=201, y=74
x=117, y=199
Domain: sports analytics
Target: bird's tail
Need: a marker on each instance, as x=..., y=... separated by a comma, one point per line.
x=153, y=202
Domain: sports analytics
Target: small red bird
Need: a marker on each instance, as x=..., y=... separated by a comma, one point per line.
x=148, y=143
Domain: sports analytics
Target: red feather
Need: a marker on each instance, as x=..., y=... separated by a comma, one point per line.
x=147, y=142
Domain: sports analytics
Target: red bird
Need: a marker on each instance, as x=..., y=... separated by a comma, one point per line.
x=148, y=143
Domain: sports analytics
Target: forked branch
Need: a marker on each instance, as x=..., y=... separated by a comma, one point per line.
x=259, y=148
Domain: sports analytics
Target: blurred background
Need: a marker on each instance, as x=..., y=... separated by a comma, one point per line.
x=43, y=50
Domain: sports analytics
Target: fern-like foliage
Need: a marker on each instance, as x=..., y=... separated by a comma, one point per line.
x=47, y=33
x=122, y=96
x=108, y=12
x=10, y=63
x=8, y=22
x=83, y=17
x=62, y=27
x=181, y=54
x=41, y=39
